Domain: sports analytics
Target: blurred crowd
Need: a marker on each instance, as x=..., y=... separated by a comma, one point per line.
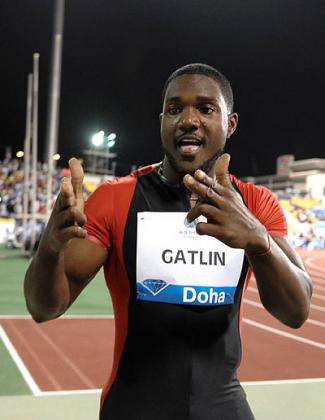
x=18, y=234
x=12, y=187
x=305, y=217
x=306, y=221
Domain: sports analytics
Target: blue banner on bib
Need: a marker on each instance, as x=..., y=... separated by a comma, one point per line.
x=155, y=290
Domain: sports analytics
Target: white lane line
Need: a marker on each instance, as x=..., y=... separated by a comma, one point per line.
x=260, y=306
x=317, y=280
x=70, y=392
x=310, y=264
x=317, y=307
x=252, y=289
x=312, y=305
x=247, y=383
x=285, y=381
x=284, y=334
x=318, y=296
x=253, y=303
x=67, y=360
x=19, y=363
x=4, y=317
x=316, y=287
x=315, y=322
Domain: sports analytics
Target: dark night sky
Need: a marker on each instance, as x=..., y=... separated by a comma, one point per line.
x=117, y=55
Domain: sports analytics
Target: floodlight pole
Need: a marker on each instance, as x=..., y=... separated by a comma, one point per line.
x=27, y=152
x=34, y=147
x=54, y=100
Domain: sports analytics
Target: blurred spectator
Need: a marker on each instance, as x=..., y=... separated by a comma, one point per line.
x=305, y=218
x=12, y=186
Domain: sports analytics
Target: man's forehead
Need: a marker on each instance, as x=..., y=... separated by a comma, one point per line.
x=195, y=85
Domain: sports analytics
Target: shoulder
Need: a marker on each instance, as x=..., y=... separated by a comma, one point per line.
x=117, y=191
x=121, y=183
x=264, y=205
x=253, y=194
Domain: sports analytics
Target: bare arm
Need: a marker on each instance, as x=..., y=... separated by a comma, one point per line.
x=283, y=284
x=65, y=261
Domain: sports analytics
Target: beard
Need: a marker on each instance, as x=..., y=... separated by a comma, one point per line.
x=205, y=166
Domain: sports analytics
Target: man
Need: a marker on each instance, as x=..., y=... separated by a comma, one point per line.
x=176, y=288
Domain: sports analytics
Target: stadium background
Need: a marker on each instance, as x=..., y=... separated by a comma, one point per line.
x=60, y=366
x=116, y=56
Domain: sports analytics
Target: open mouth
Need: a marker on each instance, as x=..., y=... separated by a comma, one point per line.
x=189, y=145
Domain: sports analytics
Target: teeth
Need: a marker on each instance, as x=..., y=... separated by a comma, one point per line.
x=186, y=142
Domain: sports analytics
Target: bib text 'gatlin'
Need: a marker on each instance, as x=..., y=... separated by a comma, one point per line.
x=193, y=257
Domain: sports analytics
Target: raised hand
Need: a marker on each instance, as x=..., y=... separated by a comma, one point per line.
x=67, y=218
x=228, y=219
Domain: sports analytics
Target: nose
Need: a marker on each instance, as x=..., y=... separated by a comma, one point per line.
x=189, y=119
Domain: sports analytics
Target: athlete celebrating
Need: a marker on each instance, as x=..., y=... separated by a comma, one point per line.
x=176, y=287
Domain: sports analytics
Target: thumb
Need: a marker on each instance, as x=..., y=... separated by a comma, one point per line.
x=77, y=176
x=220, y=169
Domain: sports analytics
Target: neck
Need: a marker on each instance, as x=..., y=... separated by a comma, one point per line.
x=169, y=172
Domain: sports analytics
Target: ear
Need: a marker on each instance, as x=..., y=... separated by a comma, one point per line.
x=232, y=123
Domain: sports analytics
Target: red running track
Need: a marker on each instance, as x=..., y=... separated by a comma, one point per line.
x=76, y=353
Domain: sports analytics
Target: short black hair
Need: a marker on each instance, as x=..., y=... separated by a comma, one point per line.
x=206, y=70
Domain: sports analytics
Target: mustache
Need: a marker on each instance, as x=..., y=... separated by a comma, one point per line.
x=205, y=166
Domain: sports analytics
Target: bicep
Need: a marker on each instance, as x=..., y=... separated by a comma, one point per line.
x=82, y=260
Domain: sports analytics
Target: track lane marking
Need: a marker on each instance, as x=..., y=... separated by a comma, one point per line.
x=312, y=305
x=19, y=363
x=317, y=307
x=284, y=381
x=284, y=334
x=316, y=287
x=34, y=356
x=310, y=263
x=318, y=296
x=26, y=316
x=70, y=392
x=84, y=378
x=260, y=306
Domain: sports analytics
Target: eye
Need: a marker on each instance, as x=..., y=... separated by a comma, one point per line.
x=174, y=109
x=206, y=109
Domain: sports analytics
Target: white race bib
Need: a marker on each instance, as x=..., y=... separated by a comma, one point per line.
x=176, y=265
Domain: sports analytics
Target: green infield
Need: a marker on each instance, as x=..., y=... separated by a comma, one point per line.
x=11, y=380
x=94, y=300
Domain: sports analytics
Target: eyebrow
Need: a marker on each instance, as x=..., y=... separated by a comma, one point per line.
x=199, y=98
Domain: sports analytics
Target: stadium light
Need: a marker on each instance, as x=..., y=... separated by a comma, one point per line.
x=98, y=138
x=19, y=154
x=111, y=137
x=111, y=140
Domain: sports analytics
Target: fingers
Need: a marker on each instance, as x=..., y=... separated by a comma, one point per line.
x=204, y=188
x=71, y=232
x=66, y=196
x=220, y=168
x=72, y=216
x=206, y=210
x=77, y=176
x=219, y=177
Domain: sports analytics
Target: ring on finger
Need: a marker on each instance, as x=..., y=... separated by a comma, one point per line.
x=209, y=192
x=214, y=184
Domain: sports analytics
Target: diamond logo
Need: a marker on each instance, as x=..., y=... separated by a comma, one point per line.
x=154, y=286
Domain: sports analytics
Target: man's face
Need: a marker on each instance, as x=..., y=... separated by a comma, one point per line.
x=195, y=123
